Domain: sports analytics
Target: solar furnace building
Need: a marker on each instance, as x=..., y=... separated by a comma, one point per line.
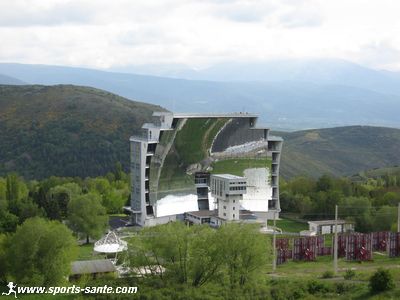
x=173, y=157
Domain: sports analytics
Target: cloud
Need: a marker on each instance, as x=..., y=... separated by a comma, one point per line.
x=20, y=13
x=301, y=19
x=144, y=36
x=381, y=54
x=25, y=13
x=196, y=33
x=248, y=11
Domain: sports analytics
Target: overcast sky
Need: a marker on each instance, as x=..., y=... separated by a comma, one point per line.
x=117, y=33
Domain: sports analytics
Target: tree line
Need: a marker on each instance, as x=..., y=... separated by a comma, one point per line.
x=370, y=204
x=40, y=222
x=196, y=255
x=55, y=198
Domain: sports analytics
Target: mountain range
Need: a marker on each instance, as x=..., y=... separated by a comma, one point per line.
x=288, y=95
x=317, y=71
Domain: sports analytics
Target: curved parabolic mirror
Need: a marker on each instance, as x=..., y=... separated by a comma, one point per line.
x=215, y=145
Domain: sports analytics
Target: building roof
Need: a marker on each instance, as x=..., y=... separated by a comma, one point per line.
x=215, y=115
x=150, y=125
x=161, y=113
x=275, y=138
x=92, y=266
x=228, y=176
x=202, y=213
x=328, y=222
x=244, y=214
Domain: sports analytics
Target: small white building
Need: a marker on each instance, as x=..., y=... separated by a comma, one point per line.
x=228, y=190
x=211, y=217
x=328, y=226
x=199, y=217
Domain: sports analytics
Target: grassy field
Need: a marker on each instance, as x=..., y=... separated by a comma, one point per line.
x=118, y=215
x=238, y=165
x=86, y=253
x=300, y=273
x=287, y=225
x=294, y=269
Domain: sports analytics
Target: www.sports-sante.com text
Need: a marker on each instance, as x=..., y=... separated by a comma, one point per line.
x=55, y=290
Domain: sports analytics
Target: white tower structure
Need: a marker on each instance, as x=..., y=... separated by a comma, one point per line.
x=228, y=190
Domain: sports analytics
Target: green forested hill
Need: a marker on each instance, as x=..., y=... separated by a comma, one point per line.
x=339, y=151
x=66, y=130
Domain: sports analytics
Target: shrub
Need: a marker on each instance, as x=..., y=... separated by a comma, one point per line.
x=381, y=280
x=328, y=274
x=285, y=290
x=343, y=287
x=314, y=287
x=349, y=274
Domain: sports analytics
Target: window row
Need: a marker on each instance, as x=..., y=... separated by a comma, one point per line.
x=237, y=188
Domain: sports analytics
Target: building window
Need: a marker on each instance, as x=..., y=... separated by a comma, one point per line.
x=233, y=215
x=224, y=214
x=233, y=208
x=233, y=201
x=224, y=207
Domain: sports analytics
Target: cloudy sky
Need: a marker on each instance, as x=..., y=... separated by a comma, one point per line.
x=198, y=33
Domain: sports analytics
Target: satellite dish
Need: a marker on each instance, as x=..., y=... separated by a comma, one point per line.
x=110, y=243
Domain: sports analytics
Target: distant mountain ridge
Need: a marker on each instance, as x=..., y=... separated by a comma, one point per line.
x=4, y=79
x=317, y=71
x=290, y=104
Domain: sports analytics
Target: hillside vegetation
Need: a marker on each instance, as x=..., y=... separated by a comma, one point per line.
x=377, y=173
x=339, y=151
x=66, y=130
